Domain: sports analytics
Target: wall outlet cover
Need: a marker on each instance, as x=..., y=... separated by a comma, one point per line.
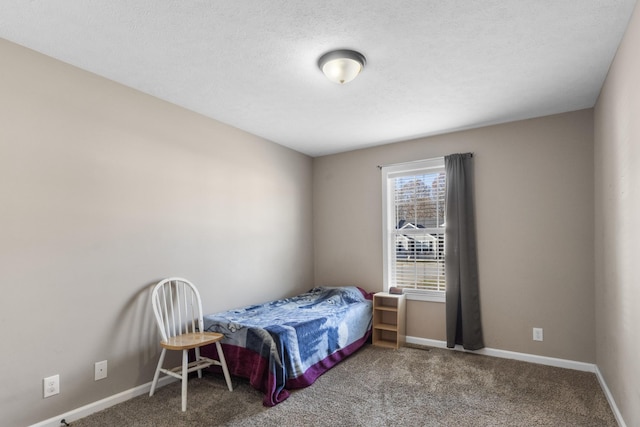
x=51, y=385
x=537, y=334
x=100, y=370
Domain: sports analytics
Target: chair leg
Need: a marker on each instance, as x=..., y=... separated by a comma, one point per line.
x=197, y=351
x=223, y=363
x=185, y=376
x=157, y=374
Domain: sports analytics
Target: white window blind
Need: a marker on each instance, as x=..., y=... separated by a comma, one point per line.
x=414, y=199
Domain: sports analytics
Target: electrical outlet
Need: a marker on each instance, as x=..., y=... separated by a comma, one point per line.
x=51, y=385
x=101, y=370
x=537, y=334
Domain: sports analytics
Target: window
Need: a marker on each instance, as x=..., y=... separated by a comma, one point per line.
x=413, y=220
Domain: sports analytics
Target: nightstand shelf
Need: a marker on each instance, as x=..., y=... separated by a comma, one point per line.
x=388, y=320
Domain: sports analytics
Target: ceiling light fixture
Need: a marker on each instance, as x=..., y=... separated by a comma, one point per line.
x=341, y=66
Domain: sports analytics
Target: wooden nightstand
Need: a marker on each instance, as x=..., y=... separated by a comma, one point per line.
x=388, y=320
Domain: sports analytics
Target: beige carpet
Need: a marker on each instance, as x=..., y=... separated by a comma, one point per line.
x=380, y=387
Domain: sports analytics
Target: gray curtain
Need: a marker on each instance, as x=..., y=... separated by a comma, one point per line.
x=461, y=263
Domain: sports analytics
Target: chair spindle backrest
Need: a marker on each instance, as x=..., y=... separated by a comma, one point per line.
x=177, y=307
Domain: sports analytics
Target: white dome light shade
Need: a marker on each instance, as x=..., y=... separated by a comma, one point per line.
x=341, y=66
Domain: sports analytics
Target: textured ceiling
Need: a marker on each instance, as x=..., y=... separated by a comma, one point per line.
x=433, y=66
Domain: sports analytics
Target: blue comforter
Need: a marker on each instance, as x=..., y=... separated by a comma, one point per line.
x=289, y=343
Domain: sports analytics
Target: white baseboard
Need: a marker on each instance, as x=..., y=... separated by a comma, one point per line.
x=105, y=403
x=612, y=403
x=505, y=354
x=532, y=358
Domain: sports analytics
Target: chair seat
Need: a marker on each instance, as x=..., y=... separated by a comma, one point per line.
x=191, y=340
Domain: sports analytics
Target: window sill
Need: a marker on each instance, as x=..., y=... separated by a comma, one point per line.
x=432, y=296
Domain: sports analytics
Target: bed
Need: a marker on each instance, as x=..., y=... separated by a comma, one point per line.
x=287, y=344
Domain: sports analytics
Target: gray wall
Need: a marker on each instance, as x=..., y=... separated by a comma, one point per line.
x=105, y=191
x=617, y=220
x=534, y=199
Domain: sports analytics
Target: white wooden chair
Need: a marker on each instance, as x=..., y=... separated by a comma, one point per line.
x=178, y=310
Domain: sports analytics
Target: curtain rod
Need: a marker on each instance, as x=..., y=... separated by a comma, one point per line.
x=414, y=161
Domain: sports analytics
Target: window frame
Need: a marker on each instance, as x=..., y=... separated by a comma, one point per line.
x=388, y=222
